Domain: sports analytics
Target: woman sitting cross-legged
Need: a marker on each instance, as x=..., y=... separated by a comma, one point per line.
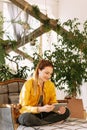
x=38, y=97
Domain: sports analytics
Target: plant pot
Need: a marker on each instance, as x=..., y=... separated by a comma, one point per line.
x=76, y=108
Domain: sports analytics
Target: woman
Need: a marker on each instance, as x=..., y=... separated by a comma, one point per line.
x=38, y=97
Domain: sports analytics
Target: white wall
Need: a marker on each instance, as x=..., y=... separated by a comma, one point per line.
x=1, y=6
x=69, y=9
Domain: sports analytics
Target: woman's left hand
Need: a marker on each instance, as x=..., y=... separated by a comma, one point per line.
x=62, y=110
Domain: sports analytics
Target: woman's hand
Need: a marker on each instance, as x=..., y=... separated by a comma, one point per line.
x=62, y=110
x=46, y=108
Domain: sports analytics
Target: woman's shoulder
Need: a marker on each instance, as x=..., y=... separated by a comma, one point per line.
x=29, y=81
x=49, y=82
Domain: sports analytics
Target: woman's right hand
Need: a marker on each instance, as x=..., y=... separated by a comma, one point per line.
x=46, y=108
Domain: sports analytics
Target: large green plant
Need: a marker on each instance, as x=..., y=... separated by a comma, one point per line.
x=69, y=58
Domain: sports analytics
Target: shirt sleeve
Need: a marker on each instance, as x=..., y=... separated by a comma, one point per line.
x=53, y=98
x=24, y=99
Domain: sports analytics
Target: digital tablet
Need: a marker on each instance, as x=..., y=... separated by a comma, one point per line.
x=59, y=105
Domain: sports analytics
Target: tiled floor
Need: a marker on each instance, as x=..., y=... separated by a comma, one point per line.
x=70, y=124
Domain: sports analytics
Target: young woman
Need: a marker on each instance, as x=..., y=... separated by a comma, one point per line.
x=38, y=97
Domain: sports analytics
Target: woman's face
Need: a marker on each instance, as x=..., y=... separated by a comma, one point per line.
x=46, y=73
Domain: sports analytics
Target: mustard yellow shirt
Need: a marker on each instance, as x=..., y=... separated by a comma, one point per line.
x=29, y=100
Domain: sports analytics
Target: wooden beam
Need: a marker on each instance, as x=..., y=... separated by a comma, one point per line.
x=29, y=9
x=33, y=35
x=53, y=24
x=24, y=55
x=36, y=33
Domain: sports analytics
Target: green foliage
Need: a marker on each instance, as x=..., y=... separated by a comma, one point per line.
x=7, y=73
x=2, y=54
x=47, y=25
x=36, y=10
x=4, y=43
x=1, y=24
x=69, y=58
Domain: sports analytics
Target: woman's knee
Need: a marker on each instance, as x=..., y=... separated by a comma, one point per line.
x=25, y=119
x=29, y=119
